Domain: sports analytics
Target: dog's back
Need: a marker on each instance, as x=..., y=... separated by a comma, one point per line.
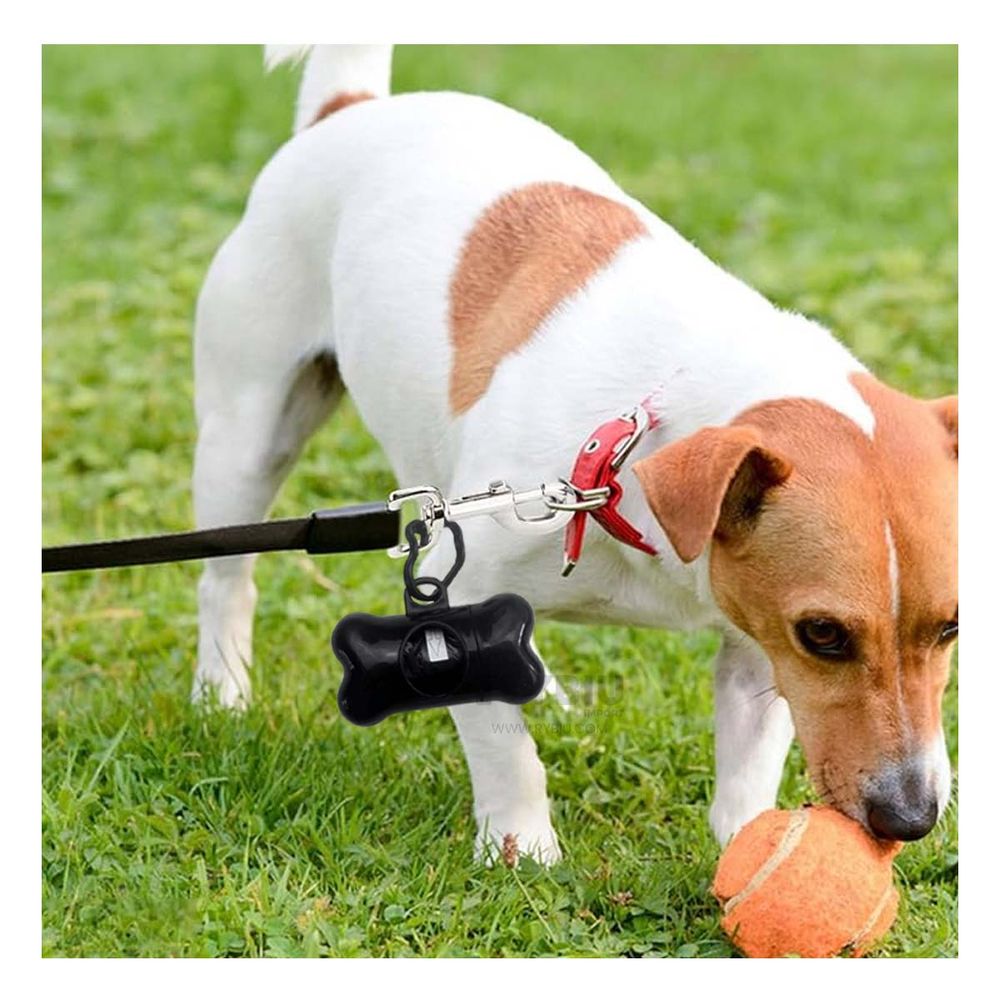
x=433, y=241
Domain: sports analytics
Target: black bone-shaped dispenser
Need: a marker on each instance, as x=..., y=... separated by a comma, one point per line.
x=436, y=655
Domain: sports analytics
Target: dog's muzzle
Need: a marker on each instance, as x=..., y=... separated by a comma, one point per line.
x=902, y=803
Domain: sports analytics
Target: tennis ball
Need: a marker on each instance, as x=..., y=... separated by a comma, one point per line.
x=809, y=882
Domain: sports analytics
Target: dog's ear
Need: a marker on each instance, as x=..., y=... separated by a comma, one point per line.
x=946, y=409
x=712, y=482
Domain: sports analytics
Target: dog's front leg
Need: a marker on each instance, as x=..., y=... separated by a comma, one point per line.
x=753, y=730
x=508, y=778
x=508, y=782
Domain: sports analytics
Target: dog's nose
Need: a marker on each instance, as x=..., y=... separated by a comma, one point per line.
x=902, y=807
x=890, y=823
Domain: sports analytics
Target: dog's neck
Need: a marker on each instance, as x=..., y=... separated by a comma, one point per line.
x=709, y=348
x=715, y=347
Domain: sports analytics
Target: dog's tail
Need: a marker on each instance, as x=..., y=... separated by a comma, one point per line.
x=334, y=76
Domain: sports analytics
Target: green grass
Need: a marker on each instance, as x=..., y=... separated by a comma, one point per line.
x=824, y=176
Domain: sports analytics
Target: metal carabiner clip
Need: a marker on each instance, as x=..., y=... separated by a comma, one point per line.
x=639, y=416
x=432, y=508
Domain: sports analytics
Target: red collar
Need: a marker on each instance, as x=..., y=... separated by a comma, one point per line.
x=597, y=465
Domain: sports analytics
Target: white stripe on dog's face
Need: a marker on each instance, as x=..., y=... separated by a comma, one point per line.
x=893, y=570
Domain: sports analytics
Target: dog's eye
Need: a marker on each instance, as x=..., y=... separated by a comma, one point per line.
x=949, y=630
x=825, y=637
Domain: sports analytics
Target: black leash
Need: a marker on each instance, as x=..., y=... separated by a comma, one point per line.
x=361, y=528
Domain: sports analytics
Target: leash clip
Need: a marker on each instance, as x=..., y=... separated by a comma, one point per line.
x=576, y=499
x=541, y=510
x=432, y=508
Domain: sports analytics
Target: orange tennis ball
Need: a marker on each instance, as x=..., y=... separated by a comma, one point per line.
x=809, y=882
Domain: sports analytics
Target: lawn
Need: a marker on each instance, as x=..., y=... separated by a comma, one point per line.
x=826, y=177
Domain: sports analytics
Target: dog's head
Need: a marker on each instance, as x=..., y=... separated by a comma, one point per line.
x=837, y=551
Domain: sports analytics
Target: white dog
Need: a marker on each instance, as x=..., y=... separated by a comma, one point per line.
x=489, y=296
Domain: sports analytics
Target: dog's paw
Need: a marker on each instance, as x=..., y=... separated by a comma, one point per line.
x=221, y=689
x=727, y=818
x=506, y=843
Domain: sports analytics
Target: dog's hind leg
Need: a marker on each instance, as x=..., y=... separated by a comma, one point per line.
x=262, y=387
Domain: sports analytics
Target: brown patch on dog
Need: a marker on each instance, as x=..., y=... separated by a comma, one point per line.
x=342, y=100
x=810, y=502
x=527, y=252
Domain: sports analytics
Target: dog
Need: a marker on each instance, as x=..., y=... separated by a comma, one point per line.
x=488, y=295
